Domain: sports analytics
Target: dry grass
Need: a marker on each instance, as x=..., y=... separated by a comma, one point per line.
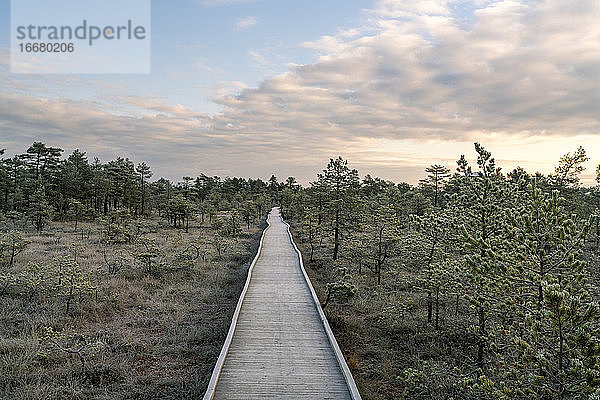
x=140, y=335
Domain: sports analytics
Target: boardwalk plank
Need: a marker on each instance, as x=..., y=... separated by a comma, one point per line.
x=280, y=348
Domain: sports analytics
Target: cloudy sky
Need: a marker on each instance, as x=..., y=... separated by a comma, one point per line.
x=251, y=88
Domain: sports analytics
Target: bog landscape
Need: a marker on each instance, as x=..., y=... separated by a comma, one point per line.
x=300, y=200
x=477, y=283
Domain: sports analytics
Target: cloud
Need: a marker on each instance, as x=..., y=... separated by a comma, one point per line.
x=418, y=71
x=224, y=88
x=245, y=23
x=167, y=136
x=416, y=84
x=203, y=66
x=517, y=71
x=259, y=60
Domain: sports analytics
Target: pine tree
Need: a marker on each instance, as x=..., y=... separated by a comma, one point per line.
x=76, y=178
x=557, y=336
x=39, y=210
x=484, y=197
x=180, y=210
x=380, y=233
x=341, y=185
x=311, y=228
x=145, y=173
x=76, y=211
x=438, y=176
x=437, y=232
x=570, y=166
x=248, y=212
x=12, y=244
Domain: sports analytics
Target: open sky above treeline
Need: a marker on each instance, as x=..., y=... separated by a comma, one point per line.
x=254, y=88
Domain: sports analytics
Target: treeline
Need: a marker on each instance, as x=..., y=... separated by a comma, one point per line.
x=503, y=265
x=77, y=289
x=40, y=185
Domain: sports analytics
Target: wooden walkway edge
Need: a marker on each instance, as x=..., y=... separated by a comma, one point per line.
x=266, y=339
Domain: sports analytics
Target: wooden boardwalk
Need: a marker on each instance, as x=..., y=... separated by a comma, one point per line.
x=280, y=345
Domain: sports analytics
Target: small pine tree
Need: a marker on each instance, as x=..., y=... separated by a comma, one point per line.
x=12, y=244
x=340, y=185
x=39, y=209
x=556, y=330
x=484, y=197
x=570, y=166
x=436, y=179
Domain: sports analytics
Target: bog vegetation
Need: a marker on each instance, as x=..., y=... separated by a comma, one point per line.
x=113, y=286
x=474, y=284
